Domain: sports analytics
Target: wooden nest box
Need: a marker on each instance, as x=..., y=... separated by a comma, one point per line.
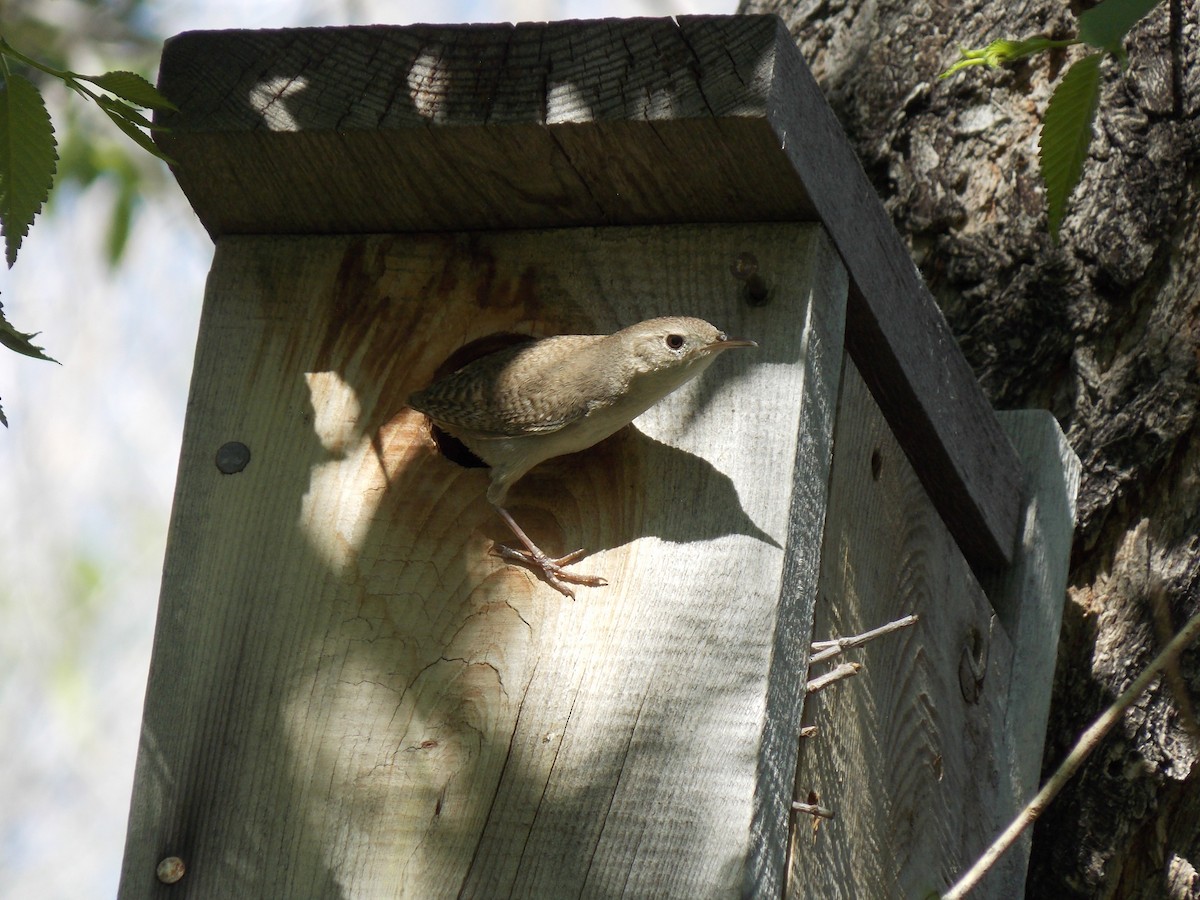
x=351, y=697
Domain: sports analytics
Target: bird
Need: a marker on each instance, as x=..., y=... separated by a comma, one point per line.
x=522, y=405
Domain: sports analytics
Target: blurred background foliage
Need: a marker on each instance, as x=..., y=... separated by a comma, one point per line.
x=91, y=36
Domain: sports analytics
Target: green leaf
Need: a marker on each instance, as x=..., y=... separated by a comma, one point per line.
x=131, y=87
x=128, y=113
x=1066, y=133
x=1106, y=24
x=19, y=341
x=119, y=225
x=1002, y=52
x=114, y=110
x=26, y=159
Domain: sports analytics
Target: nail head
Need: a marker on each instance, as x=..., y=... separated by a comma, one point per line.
x=170, y=870
x=233, y=457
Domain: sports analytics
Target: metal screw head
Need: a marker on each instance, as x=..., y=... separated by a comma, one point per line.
x=744, y=266
x=755, y=290
x=233, y=457
x=170, y=870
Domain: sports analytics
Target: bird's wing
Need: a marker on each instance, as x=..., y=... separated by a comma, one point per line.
x=483, y=421
x=517, y=391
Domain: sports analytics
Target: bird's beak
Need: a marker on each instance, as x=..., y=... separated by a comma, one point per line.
x=727, y=343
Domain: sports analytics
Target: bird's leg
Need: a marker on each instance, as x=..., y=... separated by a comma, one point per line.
x=552, y=569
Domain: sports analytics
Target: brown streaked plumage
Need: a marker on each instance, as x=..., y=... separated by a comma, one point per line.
x=522, y=405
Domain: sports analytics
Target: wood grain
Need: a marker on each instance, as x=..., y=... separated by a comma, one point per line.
x=1029, y=597
x=700, y=119
x=350, y=697
x=931, y=750
x=910, y=753
x=432, y=127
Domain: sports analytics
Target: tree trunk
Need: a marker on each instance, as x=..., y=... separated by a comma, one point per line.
x=1102, y=329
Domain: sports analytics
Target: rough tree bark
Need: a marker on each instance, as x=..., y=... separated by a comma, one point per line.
x=1103, y=330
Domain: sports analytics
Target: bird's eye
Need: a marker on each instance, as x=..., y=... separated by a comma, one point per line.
x=675, y=341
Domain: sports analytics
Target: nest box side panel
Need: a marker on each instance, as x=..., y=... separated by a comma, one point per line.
x=911, y=753
x=350, y=696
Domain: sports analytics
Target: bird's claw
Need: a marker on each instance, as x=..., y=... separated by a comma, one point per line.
x=553, y=570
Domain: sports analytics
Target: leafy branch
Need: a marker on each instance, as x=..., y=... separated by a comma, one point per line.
x=1166, y=662
x=28, y=149
x=1068, y=123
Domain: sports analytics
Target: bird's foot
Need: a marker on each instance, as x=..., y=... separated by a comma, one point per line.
x=553, y=570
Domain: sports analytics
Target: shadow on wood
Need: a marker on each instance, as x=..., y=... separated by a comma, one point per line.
x=352, y=695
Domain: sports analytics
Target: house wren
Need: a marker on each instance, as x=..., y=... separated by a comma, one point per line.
x=522, y=405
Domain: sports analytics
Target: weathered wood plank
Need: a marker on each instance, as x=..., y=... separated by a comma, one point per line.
x=474, y=127
x=708, y=119
x=910, y=753
x=1029, y=599
x=351, y=697
x=898, y=336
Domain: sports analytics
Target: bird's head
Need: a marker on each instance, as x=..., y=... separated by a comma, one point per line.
x=675, y=348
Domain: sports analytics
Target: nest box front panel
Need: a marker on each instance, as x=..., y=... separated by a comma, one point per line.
x=347, y=675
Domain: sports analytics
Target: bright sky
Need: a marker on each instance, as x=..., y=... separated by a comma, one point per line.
x=89, y=468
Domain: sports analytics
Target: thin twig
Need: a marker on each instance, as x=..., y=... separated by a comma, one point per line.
x=1083, y=747
x=1156, y=594
x=821, y=812
x=824, y=650
x=845, y=670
